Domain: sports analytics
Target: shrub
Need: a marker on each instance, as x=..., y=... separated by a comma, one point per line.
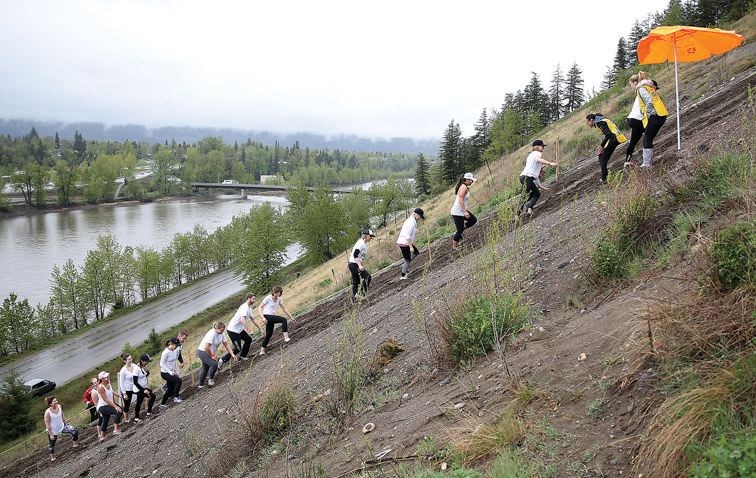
x=607, y=260
x=480, y=324
x=278, y=409
x=5, y=204
x=15, y=409
x=349, y=369
x=730, y=456
x=733, y=254
x=154, y=343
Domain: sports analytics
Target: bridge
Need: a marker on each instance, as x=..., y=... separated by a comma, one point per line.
x=245, y=188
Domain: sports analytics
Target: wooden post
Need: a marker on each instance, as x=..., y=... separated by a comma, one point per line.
x=557, y=158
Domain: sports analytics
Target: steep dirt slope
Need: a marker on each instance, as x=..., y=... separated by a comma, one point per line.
x=571, y=318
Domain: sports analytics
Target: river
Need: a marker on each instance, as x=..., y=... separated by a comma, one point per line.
x=31, y=245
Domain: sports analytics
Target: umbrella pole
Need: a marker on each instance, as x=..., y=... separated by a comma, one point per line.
x=677, y=96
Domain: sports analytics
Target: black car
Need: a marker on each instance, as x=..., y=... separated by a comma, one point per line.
x=38, y=387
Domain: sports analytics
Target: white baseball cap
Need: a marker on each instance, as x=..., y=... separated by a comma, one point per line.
x=469, y=176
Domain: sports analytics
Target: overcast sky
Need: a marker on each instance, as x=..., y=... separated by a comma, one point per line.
x=381, y=68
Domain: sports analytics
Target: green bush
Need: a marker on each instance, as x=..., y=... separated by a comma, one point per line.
x=326, y=283
x=154, y=343
x=278, y=409
x=727, y=456
x=607, y=259
x=474, y=327
x=733, y=254
x=5, y=204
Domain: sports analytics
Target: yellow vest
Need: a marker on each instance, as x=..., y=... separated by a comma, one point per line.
x=621, y=138
x=656, y=100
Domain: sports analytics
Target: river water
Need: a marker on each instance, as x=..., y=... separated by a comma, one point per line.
x=31, y=245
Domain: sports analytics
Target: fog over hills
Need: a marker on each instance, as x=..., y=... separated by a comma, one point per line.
x=135, y=132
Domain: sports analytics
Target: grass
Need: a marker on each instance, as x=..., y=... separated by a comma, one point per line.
x=476, y=439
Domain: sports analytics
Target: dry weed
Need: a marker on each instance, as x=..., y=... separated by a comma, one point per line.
x=475, y=439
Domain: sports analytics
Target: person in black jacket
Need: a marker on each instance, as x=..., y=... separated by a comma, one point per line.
x=360, y=275
x=613, y=137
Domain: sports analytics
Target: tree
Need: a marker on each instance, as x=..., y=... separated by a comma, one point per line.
x=39, y=176
x=621, y=62
x=422, y=178
x=450, y=153
x=574, y=94
x=16, y=323
x=23, y=182
x=67, y=295
x=93, y=282
x=317, y=222
x=15, y=409
x=387, y=198
x=556, y=95
x=636, y=35
x=162, y=168
x=64, y=178
x=79, y=145
x=57, y=141
x=261, y=239
x=535, y=100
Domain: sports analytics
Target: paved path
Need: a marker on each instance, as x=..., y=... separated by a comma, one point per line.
x=73, y=357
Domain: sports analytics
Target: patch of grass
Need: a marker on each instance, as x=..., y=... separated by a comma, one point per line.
x=473, y=328
x=733, y=255
x=596, y=407
x=728, y=455
x=325, y=283
x=476, y=439
x=277, y=409
x=311, y=469
x=349, y=369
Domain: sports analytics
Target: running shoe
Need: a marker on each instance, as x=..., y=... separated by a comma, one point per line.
x=177, y=400
x=163, y=405
x=402, y=277
x=210, y=382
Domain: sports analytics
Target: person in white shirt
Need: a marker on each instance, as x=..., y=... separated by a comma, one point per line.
x=635, y=122
x=406, y=240
x=463, y=218
x=141, y=387
x=56, y=425
x=267, y=310
x=169, y=372
x=238, y=330
x=126, y=384
x=107, y=407
x=360, y=276
x=206, y=353
x=530, y=175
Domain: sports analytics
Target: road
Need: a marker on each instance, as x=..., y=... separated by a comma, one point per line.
x=77, y=355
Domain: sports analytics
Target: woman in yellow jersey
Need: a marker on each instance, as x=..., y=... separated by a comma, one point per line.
x=654, y=115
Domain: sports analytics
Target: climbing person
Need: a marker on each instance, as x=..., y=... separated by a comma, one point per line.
x=238, y=329
x=267, y=310
x=530, y=176
x=206, y=353
x=406, y=240
x=613, y=137
x=126, y=384
x=89, y=402
x=462, y=216
x=169, y=372
x=55, y=424
x=654, y=115
x=635, y=122
x=107, y=407
x=179, y=356
x=360, y=276
x=140, y=387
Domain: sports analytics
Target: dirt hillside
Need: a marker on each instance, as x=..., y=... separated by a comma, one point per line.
x=582, y=426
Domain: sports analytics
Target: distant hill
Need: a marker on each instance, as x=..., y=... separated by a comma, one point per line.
x=135, y=132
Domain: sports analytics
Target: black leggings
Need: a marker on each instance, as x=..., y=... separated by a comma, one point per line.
x=174, y=386
x=127, y=401
x=462, y=223
x=533, y=193
x=93, y=415
x=240, y=342
x=272, y=320
x=606, y=156
x=140, y=398
x=407, y=255
x=106, y=411
x=359, y=277
x=652, y=129
x=636, y=131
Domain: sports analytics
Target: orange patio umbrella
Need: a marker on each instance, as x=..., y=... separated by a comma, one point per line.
x=684, y=45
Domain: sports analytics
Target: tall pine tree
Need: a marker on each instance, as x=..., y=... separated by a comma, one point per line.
x=556, y=95
x=422, y=176
x=536, y=101
x=636, y=34
x=574, y=94
x=450, y=153
x=79, y=145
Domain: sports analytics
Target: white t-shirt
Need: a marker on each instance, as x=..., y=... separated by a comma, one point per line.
x=635, y=112
x=237, y=323
x=270, y=306
x=408, y=232
x=213, y=338
x=532, y=166
x=140, y=377
x=456, y=209
x=358, y=246
x=125, y=383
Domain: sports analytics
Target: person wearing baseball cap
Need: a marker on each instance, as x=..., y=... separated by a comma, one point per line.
x=406, y=240
x=360, y=276
x=462, y=216
x=529, y=176
x=107, y=407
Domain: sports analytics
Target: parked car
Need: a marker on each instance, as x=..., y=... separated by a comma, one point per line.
x=230, y=181
x=38, y=387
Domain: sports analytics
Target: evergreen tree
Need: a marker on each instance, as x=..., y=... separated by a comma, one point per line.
x=556, y=95
x=57, y=141
x=574, y=94
x=479, y=141
x=15, y=409
x=536, y=101
x=79, y=145
x=636, y=35
x=450, y=153
x=422, y=178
